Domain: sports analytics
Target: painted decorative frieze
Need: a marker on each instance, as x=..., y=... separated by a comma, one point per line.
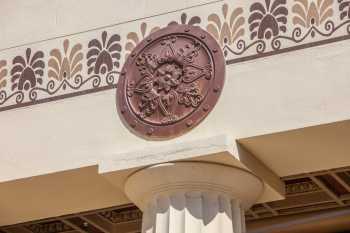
x=49, y=227
x=122, y=215
x=302, y=187
x=91, y=61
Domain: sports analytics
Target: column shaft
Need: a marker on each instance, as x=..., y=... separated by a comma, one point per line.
x=193, y=212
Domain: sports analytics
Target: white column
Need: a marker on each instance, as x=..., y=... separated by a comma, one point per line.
x=193, y=197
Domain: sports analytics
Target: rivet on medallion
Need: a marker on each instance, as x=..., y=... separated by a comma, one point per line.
x=189, y=123
x=202, y=36
x=216, y=89
x=123, y=110
x=187, y=30
x=206, y=108
x=133, y=125
x=215, y=50
x=150, y=131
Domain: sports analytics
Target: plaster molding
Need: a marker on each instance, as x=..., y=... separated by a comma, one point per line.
x=163, y=179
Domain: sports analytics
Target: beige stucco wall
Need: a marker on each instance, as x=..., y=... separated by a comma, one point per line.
x=286, y=91
x=24, y=21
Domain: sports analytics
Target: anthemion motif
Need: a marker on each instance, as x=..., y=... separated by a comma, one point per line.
x=170, y=81
x=27, y=71
x=65, y=65
x=3, y=73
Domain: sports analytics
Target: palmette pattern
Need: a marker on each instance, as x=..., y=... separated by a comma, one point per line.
x=75, y=66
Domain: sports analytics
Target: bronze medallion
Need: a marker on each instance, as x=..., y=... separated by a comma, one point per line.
x=170, y=82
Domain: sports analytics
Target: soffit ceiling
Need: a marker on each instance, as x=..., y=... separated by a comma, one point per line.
x=303, y=150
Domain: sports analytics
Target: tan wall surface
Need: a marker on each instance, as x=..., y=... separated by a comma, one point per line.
x=24, y=21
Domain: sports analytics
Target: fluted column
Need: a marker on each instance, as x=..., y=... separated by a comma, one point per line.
x=193, y=197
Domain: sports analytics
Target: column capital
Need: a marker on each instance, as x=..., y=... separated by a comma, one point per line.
x=181, y=177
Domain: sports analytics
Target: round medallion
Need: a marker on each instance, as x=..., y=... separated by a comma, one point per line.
x=170, y=82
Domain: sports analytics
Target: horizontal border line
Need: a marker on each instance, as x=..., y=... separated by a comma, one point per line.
x=289, y=49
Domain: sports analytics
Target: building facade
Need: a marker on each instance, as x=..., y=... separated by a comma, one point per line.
x=174, y=116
